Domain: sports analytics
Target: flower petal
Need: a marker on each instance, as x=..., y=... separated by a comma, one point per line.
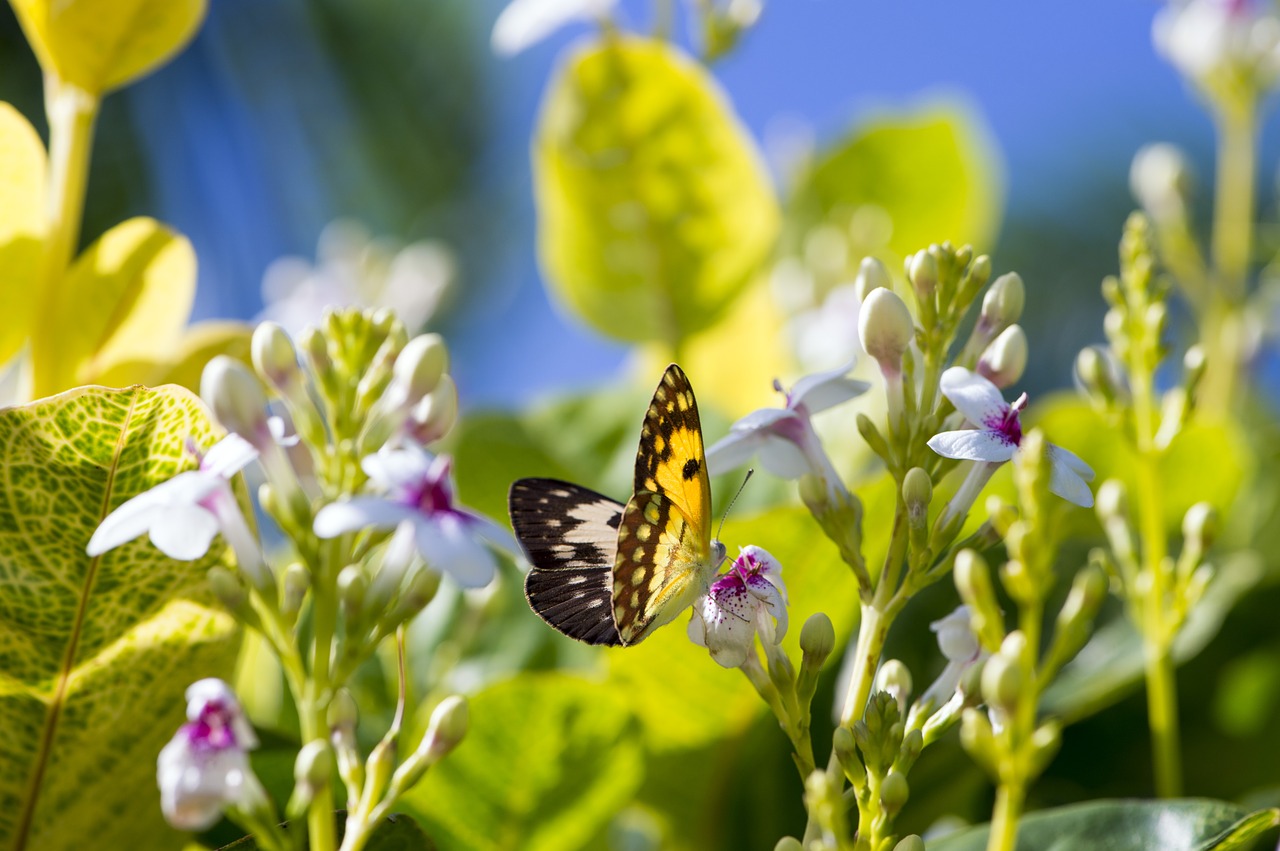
x=338, y=518
x=228, y=456
x=972, y=444
x=729, y=627
x=524, y=23
x=137, y=515
x=733, y=450
x=974, y=396
x=184, y=532
x=395, y=469
x=955, y=635
x=824, y=390
x=447, y=544
x=1065, y=456
x=783, y=458
x=1067, y=483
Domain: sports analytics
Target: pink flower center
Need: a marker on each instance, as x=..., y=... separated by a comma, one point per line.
x=1008, y=427
x=213, y=730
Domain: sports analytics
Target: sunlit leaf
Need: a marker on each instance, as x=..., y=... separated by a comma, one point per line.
x=22, y=177
x=99, y=45
x=98, y=651
x=185, y=363
x=654, y=209
x=546, y=763
x=126, y=299
x=1184, y=825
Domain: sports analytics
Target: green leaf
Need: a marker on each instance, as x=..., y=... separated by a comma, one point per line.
x=99, y=45
x=901, y=182
x=1110, y=666
x=22, y=179
x=98, y=651
x=1184, y=825
x=654, y=208
x=184, y=364
x=547, y=762
x=125, y=299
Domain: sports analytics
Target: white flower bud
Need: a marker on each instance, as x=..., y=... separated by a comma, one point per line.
x=1005, y=359
x=1161, y=181
x=922, y=271
x=419, y=367
x=872, y=275
x=885, y=328
x=236, y=397
x=434, y=415
x=1003, y=303
x=274, y=356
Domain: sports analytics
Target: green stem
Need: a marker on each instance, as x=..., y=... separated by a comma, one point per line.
x=1162, y=714
x=1010, y=798
x=313, y=711
x=72, y=114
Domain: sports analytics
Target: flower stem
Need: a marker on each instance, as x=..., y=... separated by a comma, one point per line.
x=1162, y=714
x=1010, y=798
x=72, y=113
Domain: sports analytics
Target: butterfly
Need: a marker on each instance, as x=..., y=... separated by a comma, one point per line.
x=607, y=573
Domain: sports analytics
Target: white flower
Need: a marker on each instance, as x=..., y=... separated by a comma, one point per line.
x=524, y=23
x=747, y=598
x=999, y=434
x=205, y=767
x=960, y=646
x=183, y=514
x=1211, y=39
x=784, y=437
x=418, y=490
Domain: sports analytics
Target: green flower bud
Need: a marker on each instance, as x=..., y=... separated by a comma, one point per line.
x=917, y=493
x=844, y=745
x=1197, y=584
x=978, y=740
x=313, y=767
x=1002, y=683
x=420, y=590
x=922, y=272
x=352, y=586
x=788, y=843
x=912, y=745
x=1088, y=591
x=894, y=678
x=1005, y=359
x=1156, y=318
x=449, y=723
x=1113, y=324
x=435, y=414
x=1045, y=742
x=1018, y=581
x=817, y=640
x=296, y=581
x=894, y=792
x=910, y=843
x=885, y=328
x=973, y=581
x=235, y=396
x=274, y=356
x=874, y=439
x=872, y=275
x=229, y=590
x=1003, y=303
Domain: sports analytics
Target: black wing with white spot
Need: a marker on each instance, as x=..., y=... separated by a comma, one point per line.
x=570, y=534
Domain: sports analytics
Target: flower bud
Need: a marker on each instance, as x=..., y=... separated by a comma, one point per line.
x=1044, y=745
x=977, y=738
x=912, y=745
x=1161, y=181
x=788, y=843
x=886, y=329
x=311, y=772
x=229, y=590
x=1005, y=359
x=274, y=356
x=846, y=751
x=296, y=582
x=1197, y=584
x=894, y=678
x=449, y=723
x=872, y=275
x=236, y=398
x=910, y=843
x=973, y=581
x=1088, y=591
x=894, y=791
x=434, y=415
x=1112, y=500
x=817, y=639
x=917, y=493
x=1200, y=525
x=352, y=586
x=922, y=271
x=1003, y=303
x=420, y=366
x=1002, y=682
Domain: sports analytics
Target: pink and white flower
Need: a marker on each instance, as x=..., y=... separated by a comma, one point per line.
x=998, y=435
x=747, y=599
x=960, y=646
x=204, y=769
x=418, y=490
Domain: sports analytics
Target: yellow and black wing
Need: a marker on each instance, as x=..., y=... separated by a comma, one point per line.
x=664, y=553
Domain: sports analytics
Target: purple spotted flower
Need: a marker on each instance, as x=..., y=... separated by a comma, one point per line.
x=418, y=489
x=998, y=434
x=748, y=598
x=205, y=767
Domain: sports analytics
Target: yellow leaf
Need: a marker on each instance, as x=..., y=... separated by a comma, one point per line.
x=22, y=178
x=126, y=299
x=99, y=45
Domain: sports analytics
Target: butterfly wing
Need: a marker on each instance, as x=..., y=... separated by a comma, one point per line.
x=664, y=556
x=570, y=534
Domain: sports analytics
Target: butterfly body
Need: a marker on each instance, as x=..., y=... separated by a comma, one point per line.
x=608, y=573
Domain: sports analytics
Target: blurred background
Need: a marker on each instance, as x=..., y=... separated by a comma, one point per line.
x=286, y=115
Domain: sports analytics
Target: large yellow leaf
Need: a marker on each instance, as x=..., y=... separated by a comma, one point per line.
x=99, y=45
x=654, y=209
x=22, y=179
x=126, y=299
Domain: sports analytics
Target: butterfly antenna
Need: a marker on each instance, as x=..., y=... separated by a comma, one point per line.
x=751, y=472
